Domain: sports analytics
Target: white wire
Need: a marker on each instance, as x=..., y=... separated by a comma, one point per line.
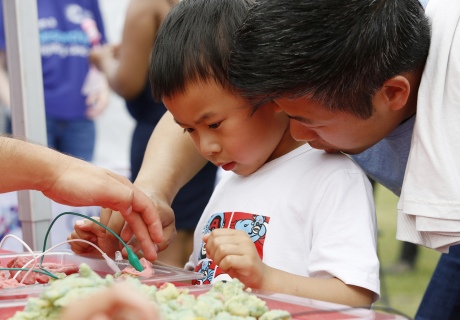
x=60, y=244
x=112, y=265
x=31, y=253
x=109, y=261
x=68, y=241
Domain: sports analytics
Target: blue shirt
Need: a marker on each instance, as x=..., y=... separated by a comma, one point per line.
x=64, y=50
x=386, y=161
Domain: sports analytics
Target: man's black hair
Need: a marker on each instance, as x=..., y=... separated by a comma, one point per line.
x=194, y=43
x=337, y=52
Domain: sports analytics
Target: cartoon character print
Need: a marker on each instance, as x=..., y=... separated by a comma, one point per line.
x=212, y=273
x=205, y=268
x=215, y=221
x=254, y=225
x=256, y=230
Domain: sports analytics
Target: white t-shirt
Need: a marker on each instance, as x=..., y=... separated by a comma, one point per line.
x=309, y=213
x=429, y=206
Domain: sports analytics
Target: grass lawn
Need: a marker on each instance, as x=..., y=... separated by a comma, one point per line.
x=402, y=292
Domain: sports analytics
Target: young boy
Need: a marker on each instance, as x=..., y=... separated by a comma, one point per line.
x=290, y=219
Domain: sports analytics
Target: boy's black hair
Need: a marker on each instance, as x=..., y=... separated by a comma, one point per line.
x=193, y=43
x=338, y=52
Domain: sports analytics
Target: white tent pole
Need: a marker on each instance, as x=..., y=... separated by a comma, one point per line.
x=27, y=106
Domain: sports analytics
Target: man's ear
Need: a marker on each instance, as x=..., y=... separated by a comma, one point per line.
x=395, y=92
x=276, y=107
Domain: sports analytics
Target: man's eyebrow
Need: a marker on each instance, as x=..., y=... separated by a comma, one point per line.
x=300, y=119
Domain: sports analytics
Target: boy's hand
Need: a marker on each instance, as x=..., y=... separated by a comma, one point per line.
x=235, y=253
x=87, y=230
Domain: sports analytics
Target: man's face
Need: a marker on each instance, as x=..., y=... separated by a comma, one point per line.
x=333, y=131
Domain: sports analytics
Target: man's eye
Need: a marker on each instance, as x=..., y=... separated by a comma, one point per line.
x=214, y=125
x=189, y=130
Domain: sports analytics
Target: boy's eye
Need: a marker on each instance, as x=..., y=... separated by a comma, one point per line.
x=215, y=125
x=189, y=130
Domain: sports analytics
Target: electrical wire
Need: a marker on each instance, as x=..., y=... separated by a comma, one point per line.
x=132, y=258
x=31, y=253
x=32, y=270
x=112, y=264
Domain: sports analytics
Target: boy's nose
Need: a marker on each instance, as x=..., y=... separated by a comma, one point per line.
x=209, y=147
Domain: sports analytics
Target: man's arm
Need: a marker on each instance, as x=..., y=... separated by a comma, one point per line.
x=170, y=161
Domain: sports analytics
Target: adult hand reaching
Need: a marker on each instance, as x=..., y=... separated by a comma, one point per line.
x=91, y=185
x=163, y=210
x=71, y=181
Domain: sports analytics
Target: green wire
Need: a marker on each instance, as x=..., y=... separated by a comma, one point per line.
x=46, y=272
x=132, y=258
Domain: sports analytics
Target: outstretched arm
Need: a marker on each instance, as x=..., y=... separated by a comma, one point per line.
x=71, y=181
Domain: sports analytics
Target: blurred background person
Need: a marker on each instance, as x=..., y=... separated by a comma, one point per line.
x=407, y=258
x=126, y=66
x=71, y=104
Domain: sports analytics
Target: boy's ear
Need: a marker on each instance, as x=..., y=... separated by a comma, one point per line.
x=395, y=92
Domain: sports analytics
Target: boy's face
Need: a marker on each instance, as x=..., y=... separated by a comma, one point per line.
x=336, y=131
x=223, y=130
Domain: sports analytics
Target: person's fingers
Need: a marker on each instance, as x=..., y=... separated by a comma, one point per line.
x=169, y=233
x=88, y=227
x=104, y=216
x=168, y=224
x=151, y=212
x=144, y=221
x=80, y=233
x=141, y=231
x=136, y=247
x=114, y=221
x=79, y=247
x=221, y=243
x=127, y=232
